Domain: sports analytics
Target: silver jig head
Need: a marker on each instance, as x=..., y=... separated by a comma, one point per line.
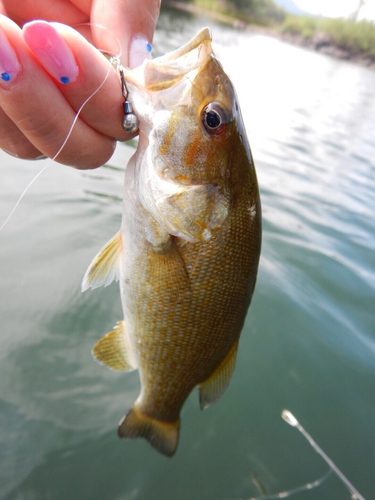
x=130, y=122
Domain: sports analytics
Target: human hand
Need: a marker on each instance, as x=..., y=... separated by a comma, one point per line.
x=37, y=108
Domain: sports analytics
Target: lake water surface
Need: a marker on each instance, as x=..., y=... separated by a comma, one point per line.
x=309, y=339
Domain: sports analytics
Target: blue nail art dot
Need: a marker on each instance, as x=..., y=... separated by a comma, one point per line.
x=64, y=79
x=6, y=77
x=149, y=47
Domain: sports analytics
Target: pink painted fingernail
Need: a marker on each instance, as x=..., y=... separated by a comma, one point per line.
x=51, y=50
x=140, y=49
x=9, y=64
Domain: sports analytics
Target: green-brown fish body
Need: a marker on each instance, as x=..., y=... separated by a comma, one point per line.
x=189, y=245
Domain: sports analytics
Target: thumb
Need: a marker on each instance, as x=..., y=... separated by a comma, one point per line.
x=125, y=27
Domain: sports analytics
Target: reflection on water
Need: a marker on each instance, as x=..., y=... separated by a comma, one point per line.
x=308, y=342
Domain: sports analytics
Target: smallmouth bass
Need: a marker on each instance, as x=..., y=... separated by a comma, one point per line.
x=188, y=249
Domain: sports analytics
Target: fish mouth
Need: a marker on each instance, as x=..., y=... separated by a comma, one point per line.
x=203, y=37
x=167, y=70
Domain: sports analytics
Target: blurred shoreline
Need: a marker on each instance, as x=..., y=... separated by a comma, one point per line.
x=319, y=42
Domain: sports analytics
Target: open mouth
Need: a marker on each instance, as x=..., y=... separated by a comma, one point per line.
x=165, y=71
x=203, y=37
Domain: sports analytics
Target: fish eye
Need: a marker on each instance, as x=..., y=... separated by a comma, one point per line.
x=214, y=118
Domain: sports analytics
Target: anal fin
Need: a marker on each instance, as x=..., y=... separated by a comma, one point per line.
x=212, y=388
x=112, y=350
x=104, y=267
x=163, y=436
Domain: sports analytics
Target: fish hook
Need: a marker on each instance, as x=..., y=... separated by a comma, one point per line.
x=125, y=91
x=130, y=122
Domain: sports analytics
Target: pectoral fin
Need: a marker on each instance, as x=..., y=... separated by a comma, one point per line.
x=168, y=271
x=105, y=266
x=211, y=389
x=113, y=351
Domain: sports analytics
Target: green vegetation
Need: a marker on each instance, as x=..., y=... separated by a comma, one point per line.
x=353, y=37
x=339, y=37
x=263, y=12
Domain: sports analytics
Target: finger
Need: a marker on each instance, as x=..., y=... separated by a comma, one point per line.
x=56, y=10
x=72, y=12
x=11, y=138
x=34, y=103
x=13, y=142
x=129, y=23
x=91, y=77
x=83, y=5
x=2, y=9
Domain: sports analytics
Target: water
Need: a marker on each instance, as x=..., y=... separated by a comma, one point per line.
x=308, y=343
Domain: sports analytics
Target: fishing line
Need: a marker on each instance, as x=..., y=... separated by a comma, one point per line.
x=298, y=489
x=291, y=420
x=114, y=61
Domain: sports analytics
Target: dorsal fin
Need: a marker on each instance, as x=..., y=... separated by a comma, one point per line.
x=211, y=389
x=104, y=267
x=112, y=350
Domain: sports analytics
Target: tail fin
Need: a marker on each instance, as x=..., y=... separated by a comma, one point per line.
x=161, y=435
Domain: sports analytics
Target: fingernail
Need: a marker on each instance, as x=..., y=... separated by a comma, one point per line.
x=51, y=50
x=9, y=64
x=140, y=49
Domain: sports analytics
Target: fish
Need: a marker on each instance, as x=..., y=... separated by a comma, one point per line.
x=188, y=249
